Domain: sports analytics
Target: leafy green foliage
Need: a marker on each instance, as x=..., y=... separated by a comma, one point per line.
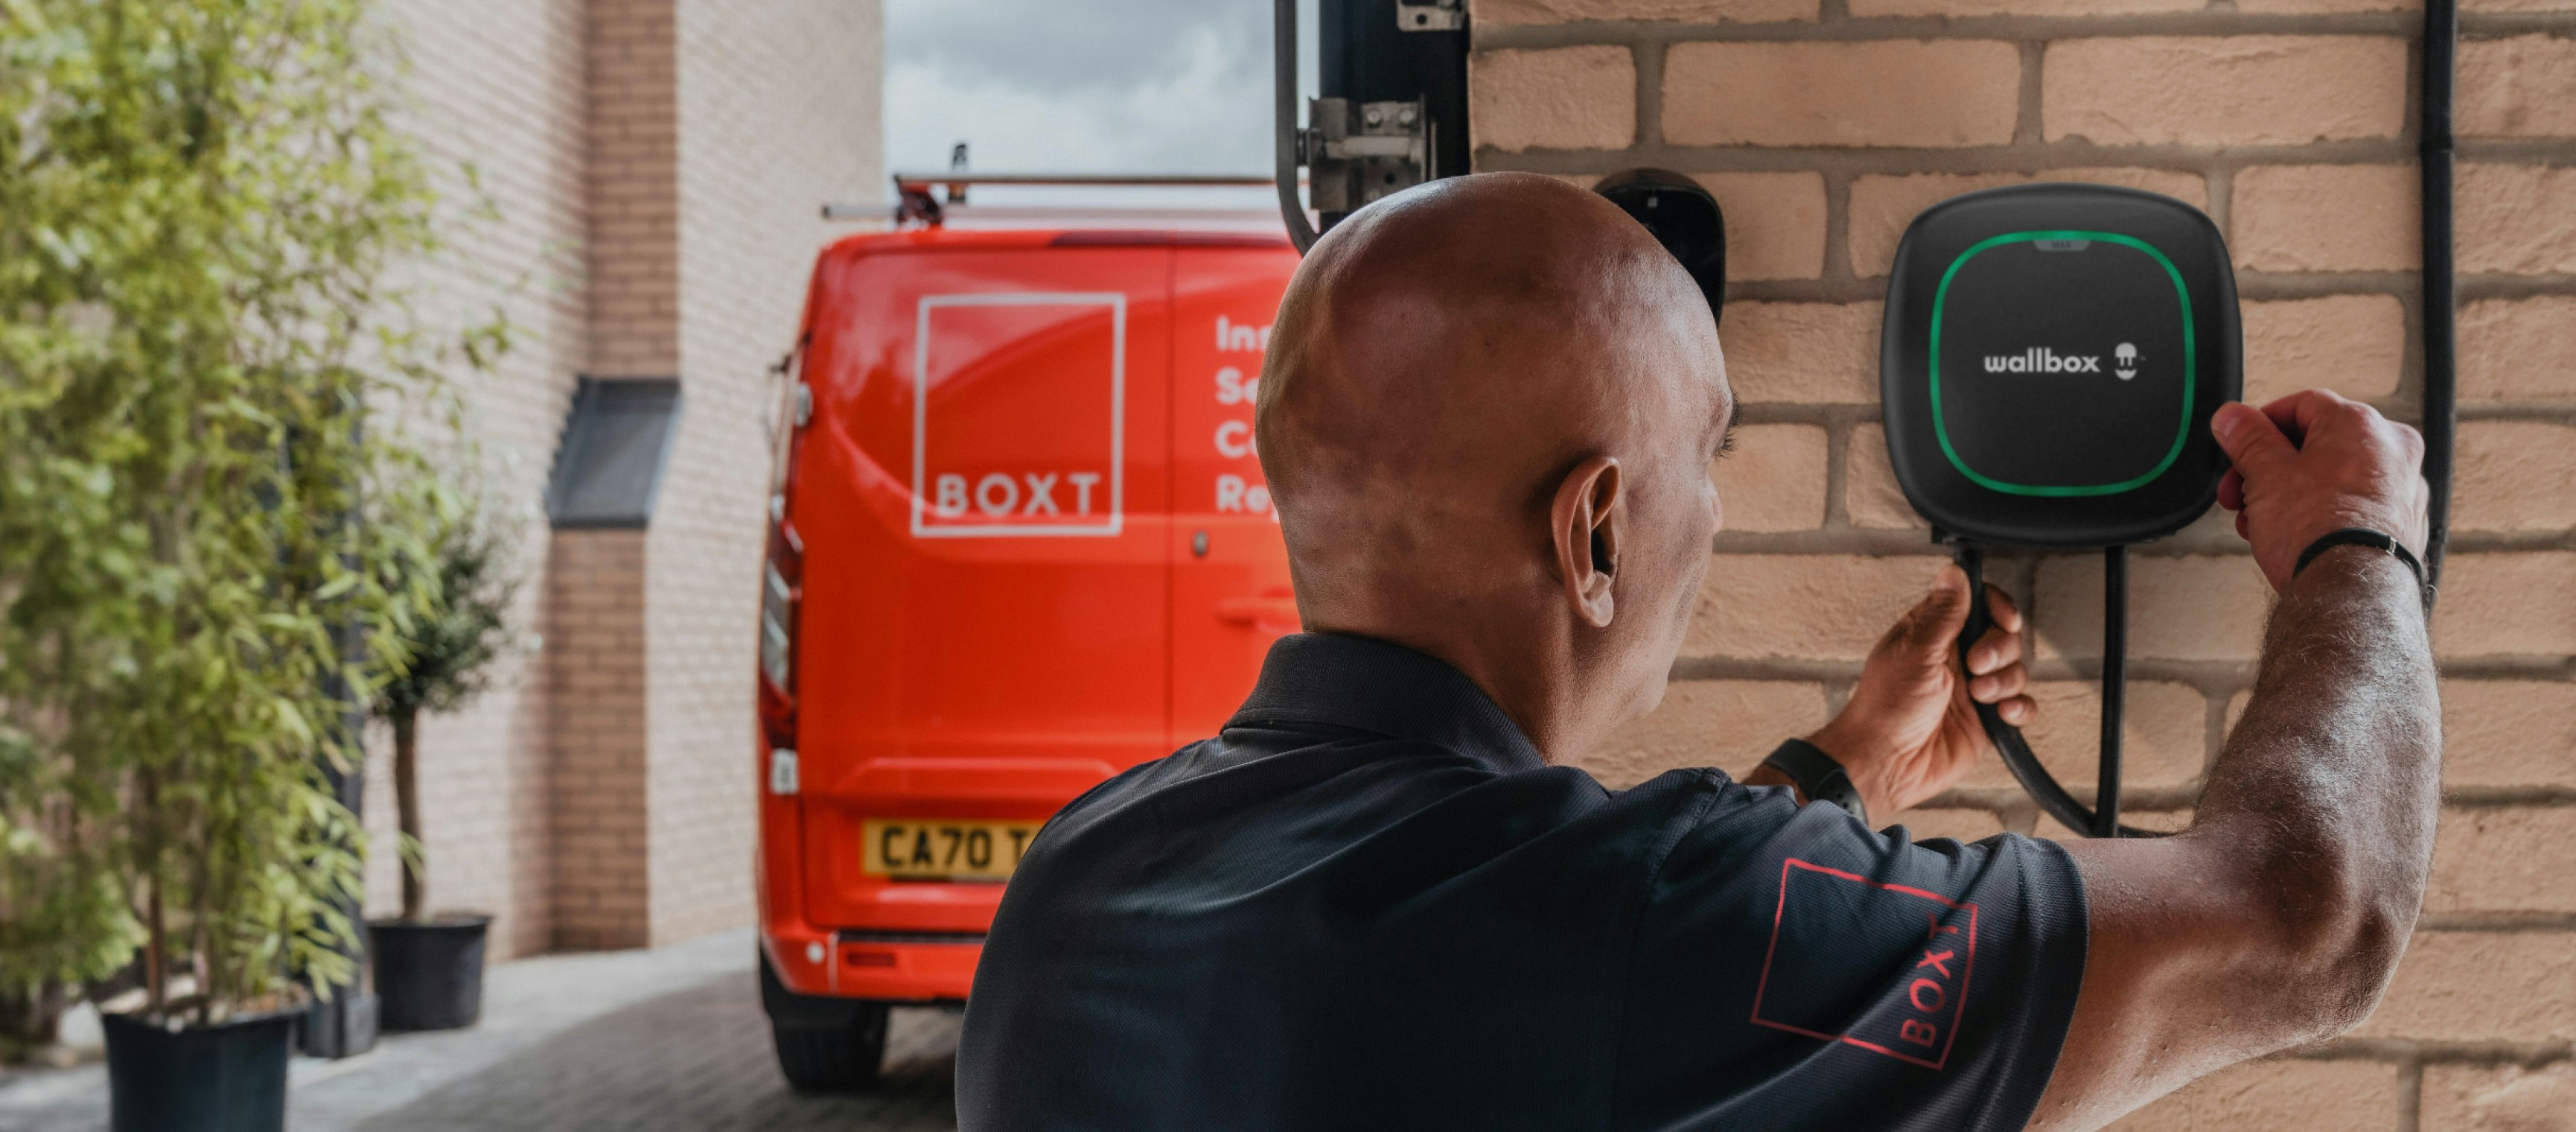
x=462, y=625
x=212, y=533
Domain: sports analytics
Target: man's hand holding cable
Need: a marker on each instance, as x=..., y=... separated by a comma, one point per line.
x=2312, y=463
x=1910, y=728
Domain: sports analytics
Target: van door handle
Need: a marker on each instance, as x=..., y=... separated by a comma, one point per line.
x=1276, y=615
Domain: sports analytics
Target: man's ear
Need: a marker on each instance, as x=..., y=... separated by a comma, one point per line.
x=1589, y=525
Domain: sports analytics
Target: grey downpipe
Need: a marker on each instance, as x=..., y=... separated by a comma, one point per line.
x=1283, y=81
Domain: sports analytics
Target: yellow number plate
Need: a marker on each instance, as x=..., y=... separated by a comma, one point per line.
x=956, y=850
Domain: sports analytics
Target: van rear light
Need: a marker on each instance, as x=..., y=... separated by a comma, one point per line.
x=781, y=598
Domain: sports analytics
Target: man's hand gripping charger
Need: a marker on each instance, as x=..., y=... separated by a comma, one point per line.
x=2050, y=360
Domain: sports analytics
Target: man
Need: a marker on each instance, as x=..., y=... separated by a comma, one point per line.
x=1386, y=896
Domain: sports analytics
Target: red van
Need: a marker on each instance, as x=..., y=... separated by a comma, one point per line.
x=1020, y=542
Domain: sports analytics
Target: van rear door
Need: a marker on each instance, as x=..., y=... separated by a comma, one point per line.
x=1230, y=594
x=983, y=495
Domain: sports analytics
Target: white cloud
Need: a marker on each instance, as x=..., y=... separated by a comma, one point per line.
x=1153, y=86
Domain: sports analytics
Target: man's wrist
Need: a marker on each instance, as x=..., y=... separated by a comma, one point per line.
x=2353, y=543
x=1818, y=775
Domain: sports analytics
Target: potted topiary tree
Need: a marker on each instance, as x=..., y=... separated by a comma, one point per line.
x=429, y=968
x=209, y=514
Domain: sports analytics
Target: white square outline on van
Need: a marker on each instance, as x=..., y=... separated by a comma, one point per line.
x=1116, y=301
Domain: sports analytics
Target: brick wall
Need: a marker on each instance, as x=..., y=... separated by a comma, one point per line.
x=654, y=169
x=1823, y=126
x=497, y=85
x=778, y=110
x=595, y=673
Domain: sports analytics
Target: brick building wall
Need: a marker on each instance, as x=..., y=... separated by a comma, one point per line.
x=778, y=112
x=653, y=170
x=1823, y=126
x=498, y=85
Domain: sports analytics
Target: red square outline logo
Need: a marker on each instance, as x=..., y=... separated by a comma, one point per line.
x=1965, y=970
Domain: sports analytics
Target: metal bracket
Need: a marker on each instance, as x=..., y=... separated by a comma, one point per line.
x=1430, y=15
x=1356, y=153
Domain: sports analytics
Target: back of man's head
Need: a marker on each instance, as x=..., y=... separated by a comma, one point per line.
x=1486, y=416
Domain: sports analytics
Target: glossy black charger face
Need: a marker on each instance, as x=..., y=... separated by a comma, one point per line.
x=2050, y=360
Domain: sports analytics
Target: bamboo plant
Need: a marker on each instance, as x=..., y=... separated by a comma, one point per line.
x=213, y=410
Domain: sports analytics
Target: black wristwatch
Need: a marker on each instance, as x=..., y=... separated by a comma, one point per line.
x=1818, y=775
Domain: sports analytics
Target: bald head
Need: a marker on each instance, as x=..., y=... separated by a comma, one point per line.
x=1485, y=417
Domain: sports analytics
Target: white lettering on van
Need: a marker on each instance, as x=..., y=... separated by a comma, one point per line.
x=951, y=501
x=1041, y=494
x=1234, y=440
x=985, y=499
x=1082, y=482
x=1237, y=338
x=1232, y=388
x=1233, y=495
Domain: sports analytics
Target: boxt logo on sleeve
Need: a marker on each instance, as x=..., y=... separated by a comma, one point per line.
x=2041, y=359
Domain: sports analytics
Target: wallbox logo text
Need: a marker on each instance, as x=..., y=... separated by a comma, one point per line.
x=2041, y=359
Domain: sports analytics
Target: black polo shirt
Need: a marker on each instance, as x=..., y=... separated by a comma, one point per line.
x=1368, y=904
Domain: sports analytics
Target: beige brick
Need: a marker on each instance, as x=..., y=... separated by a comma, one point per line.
x=1775, y=223
x=1802, y=353
x=1958, y=825
x=2481, y=987
x=2224, y=90
x=2510, y=733
x=1774, y=480
x=2502, y=1098
x=2516, y=859
x=2518, y=349
x=2163, y=732
x=2507, y=604
x=2277, y=1096
x=2327, y=218
x=1729, y=724
x=1564, y=98
x=2518, y=219
x=2301, y=7
x=1803, y=606
x=1497, y=13
x=1882, y=206
x=2519, y=87
x=2196, y=607
x=2515, y=476
x=2163, y=821
x=2519, y=6
x=1871, y=496
x=1889, y=93
x=1867, y=8
x=2352, y=344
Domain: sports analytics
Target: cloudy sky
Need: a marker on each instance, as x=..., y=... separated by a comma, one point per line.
x=1156, y=86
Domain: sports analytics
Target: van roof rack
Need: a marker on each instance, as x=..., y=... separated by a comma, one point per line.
x=914, y=202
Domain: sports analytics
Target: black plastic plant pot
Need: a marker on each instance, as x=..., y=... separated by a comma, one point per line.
x=229, y=1077
x=429, y=976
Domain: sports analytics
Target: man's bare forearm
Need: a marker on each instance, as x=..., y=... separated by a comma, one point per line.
x=2329, y=786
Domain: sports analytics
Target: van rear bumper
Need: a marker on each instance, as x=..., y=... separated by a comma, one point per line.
x=923, y=967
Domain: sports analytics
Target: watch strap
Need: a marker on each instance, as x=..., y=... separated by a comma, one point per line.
x=1818, y=775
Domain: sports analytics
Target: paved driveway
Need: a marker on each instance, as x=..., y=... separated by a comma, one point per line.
x=669, y=1039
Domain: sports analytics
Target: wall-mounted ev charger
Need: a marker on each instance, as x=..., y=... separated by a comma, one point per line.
x=2050, y=360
